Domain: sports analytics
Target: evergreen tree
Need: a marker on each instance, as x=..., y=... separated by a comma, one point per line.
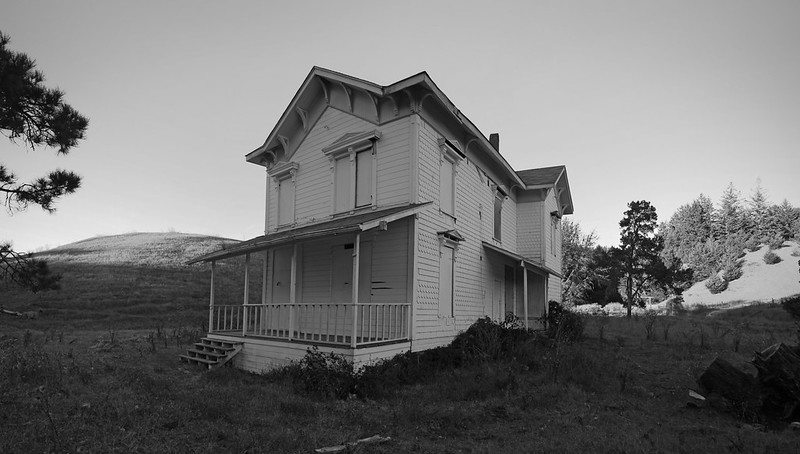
x=37, y=116
x=639, y=248
x=730, y=218
x=757, y=214
x=688, y=233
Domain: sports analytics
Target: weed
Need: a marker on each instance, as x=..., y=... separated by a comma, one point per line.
x=650, y=318
x=27, y=338
x=666, y=325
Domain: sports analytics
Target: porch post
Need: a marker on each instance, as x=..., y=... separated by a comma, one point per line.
x=264, y=278
x=211, y=299
x=246, y=292
x=356, y=253
x=525, y=292
x=292, y=291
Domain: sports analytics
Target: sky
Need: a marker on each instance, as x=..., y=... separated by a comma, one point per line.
x=641, y=100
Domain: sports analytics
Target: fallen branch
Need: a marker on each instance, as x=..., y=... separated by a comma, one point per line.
x=339, y=448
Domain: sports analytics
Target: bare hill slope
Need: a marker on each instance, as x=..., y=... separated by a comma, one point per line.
x=760, y=282
x=139, y=249
x=136, y=280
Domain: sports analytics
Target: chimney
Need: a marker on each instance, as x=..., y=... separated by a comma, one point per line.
x=494, y=139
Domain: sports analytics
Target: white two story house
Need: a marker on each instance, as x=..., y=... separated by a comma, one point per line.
x=392, y=224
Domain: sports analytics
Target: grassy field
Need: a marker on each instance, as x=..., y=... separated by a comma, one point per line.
x=97, y=389
x=97, y=371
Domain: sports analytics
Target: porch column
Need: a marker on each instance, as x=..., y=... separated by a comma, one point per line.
x=264, y=278
x=356, y=253
x=211, y=299
x=263, y=317
x=246, y=292
x=292, y=291
x=525, y=292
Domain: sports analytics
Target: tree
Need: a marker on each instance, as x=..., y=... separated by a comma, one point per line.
x=688, y=236
x=576, y=265
x=639, y=248
x=37, y=116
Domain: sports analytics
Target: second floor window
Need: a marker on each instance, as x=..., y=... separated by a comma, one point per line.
x=353, y=176
x=498, y=216
x=447, y=187
x=353, y=171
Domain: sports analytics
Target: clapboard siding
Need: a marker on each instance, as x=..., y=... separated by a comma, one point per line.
x=260, y=355
x=314, y=179
x=390, y=255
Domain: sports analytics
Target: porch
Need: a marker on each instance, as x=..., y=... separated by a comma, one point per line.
x=338, y=325
x=342, y=285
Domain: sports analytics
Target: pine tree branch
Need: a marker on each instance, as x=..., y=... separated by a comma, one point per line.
x=25, y=271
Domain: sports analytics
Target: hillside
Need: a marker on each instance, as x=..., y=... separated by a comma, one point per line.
x=759, y=282
x=126, y=281
x=137, y=249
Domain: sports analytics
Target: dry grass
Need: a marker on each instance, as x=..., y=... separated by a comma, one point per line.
x=98, y=372
x=101, y=390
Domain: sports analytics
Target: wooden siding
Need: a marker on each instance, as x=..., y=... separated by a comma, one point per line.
x=313, y=183
x=260, y=355
x=474, y=271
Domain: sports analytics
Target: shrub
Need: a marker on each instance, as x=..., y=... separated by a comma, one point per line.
x=563, y=324
x=732, y=270
x=323, y=374
x=488, y=340
x=716, y=284
x=771, y=258
x=791, y=304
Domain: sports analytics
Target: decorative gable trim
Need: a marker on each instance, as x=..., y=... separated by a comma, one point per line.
x=284, y=170
x=451, y=149
x=351, y=142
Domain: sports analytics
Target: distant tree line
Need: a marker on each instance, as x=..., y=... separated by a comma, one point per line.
x=700, y=241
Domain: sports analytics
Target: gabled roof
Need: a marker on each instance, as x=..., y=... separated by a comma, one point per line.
x=347, y=224
x=542, y=176
x=554, y=177
x=413, y=91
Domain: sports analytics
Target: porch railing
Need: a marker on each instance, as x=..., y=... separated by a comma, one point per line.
x=352, y=325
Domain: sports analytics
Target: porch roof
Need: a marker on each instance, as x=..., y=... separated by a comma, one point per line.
x=527, y=262
x=347, y=224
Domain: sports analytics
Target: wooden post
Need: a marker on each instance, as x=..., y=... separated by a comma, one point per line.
x=211, y=299
x=246, y=292
x=263, y=320
x=292, y=291
x=356, y=248
x=525, y=293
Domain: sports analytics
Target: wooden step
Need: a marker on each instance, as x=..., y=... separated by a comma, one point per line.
x=211, y=353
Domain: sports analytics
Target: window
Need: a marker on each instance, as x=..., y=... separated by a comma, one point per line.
x=448, y=162
x=447, y=183
x=553, y=232
x=448, y=245
x=285, y=201
x=285, y=174
x=353, y=166
x=446, y=281
x=498, y=215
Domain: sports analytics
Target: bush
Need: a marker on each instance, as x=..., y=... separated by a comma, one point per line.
x=488, y=340
x=771, y=258
x=716, y=284
x=791, y=304
x=563, y=324
x=732, y=270
x=322, y=374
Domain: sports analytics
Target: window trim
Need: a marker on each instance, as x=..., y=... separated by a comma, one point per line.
x=349, y=147
x=450, y=154
x=280, y=173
